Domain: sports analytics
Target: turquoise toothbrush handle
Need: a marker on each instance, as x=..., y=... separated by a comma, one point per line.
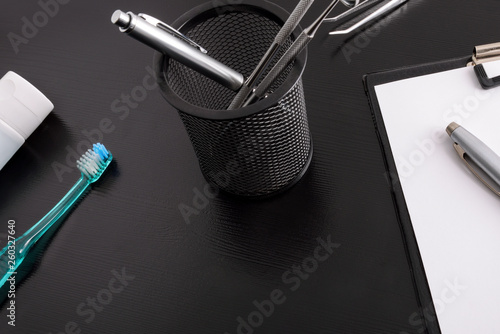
x=12, y=255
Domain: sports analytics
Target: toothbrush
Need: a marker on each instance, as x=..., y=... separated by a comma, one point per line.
x=92, y=165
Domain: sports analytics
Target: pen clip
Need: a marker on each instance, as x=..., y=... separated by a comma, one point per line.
x=162, y=25
x=461, y=153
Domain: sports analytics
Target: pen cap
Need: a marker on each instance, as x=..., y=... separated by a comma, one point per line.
x=22, y=106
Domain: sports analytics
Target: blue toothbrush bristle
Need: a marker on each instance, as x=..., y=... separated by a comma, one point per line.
x=101, y=150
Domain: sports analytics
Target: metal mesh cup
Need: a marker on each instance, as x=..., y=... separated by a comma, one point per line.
x=258, y=150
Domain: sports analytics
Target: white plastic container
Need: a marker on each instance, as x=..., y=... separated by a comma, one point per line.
x=22, y=109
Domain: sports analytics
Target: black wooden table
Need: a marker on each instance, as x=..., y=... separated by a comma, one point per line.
x=325, y=257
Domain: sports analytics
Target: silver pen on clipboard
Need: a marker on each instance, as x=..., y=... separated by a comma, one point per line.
x=470, y=147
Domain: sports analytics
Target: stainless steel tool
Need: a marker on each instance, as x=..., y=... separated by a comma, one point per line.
x=360, y=18
x=373, y=13
x=282, y=36
x=292, y=22
x=300, y=43
x=356, y=7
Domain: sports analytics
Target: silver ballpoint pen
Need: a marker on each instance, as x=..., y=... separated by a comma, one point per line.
x=160, y=37
x=469, y=146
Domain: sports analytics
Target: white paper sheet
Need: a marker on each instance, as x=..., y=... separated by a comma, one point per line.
x=456, y=219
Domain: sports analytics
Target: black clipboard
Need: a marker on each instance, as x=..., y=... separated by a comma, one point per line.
x=428, y=317
x=481, y=54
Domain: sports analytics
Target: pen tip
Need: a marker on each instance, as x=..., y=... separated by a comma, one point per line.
x=120, y=18
x=451, y=128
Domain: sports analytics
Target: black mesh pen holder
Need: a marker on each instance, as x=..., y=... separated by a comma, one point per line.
x=258, y=150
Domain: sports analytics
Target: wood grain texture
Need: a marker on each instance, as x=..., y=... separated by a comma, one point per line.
x=199, y=277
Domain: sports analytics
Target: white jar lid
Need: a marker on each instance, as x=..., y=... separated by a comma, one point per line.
x=22, y=105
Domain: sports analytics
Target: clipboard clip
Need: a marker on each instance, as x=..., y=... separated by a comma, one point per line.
x=483, y=54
